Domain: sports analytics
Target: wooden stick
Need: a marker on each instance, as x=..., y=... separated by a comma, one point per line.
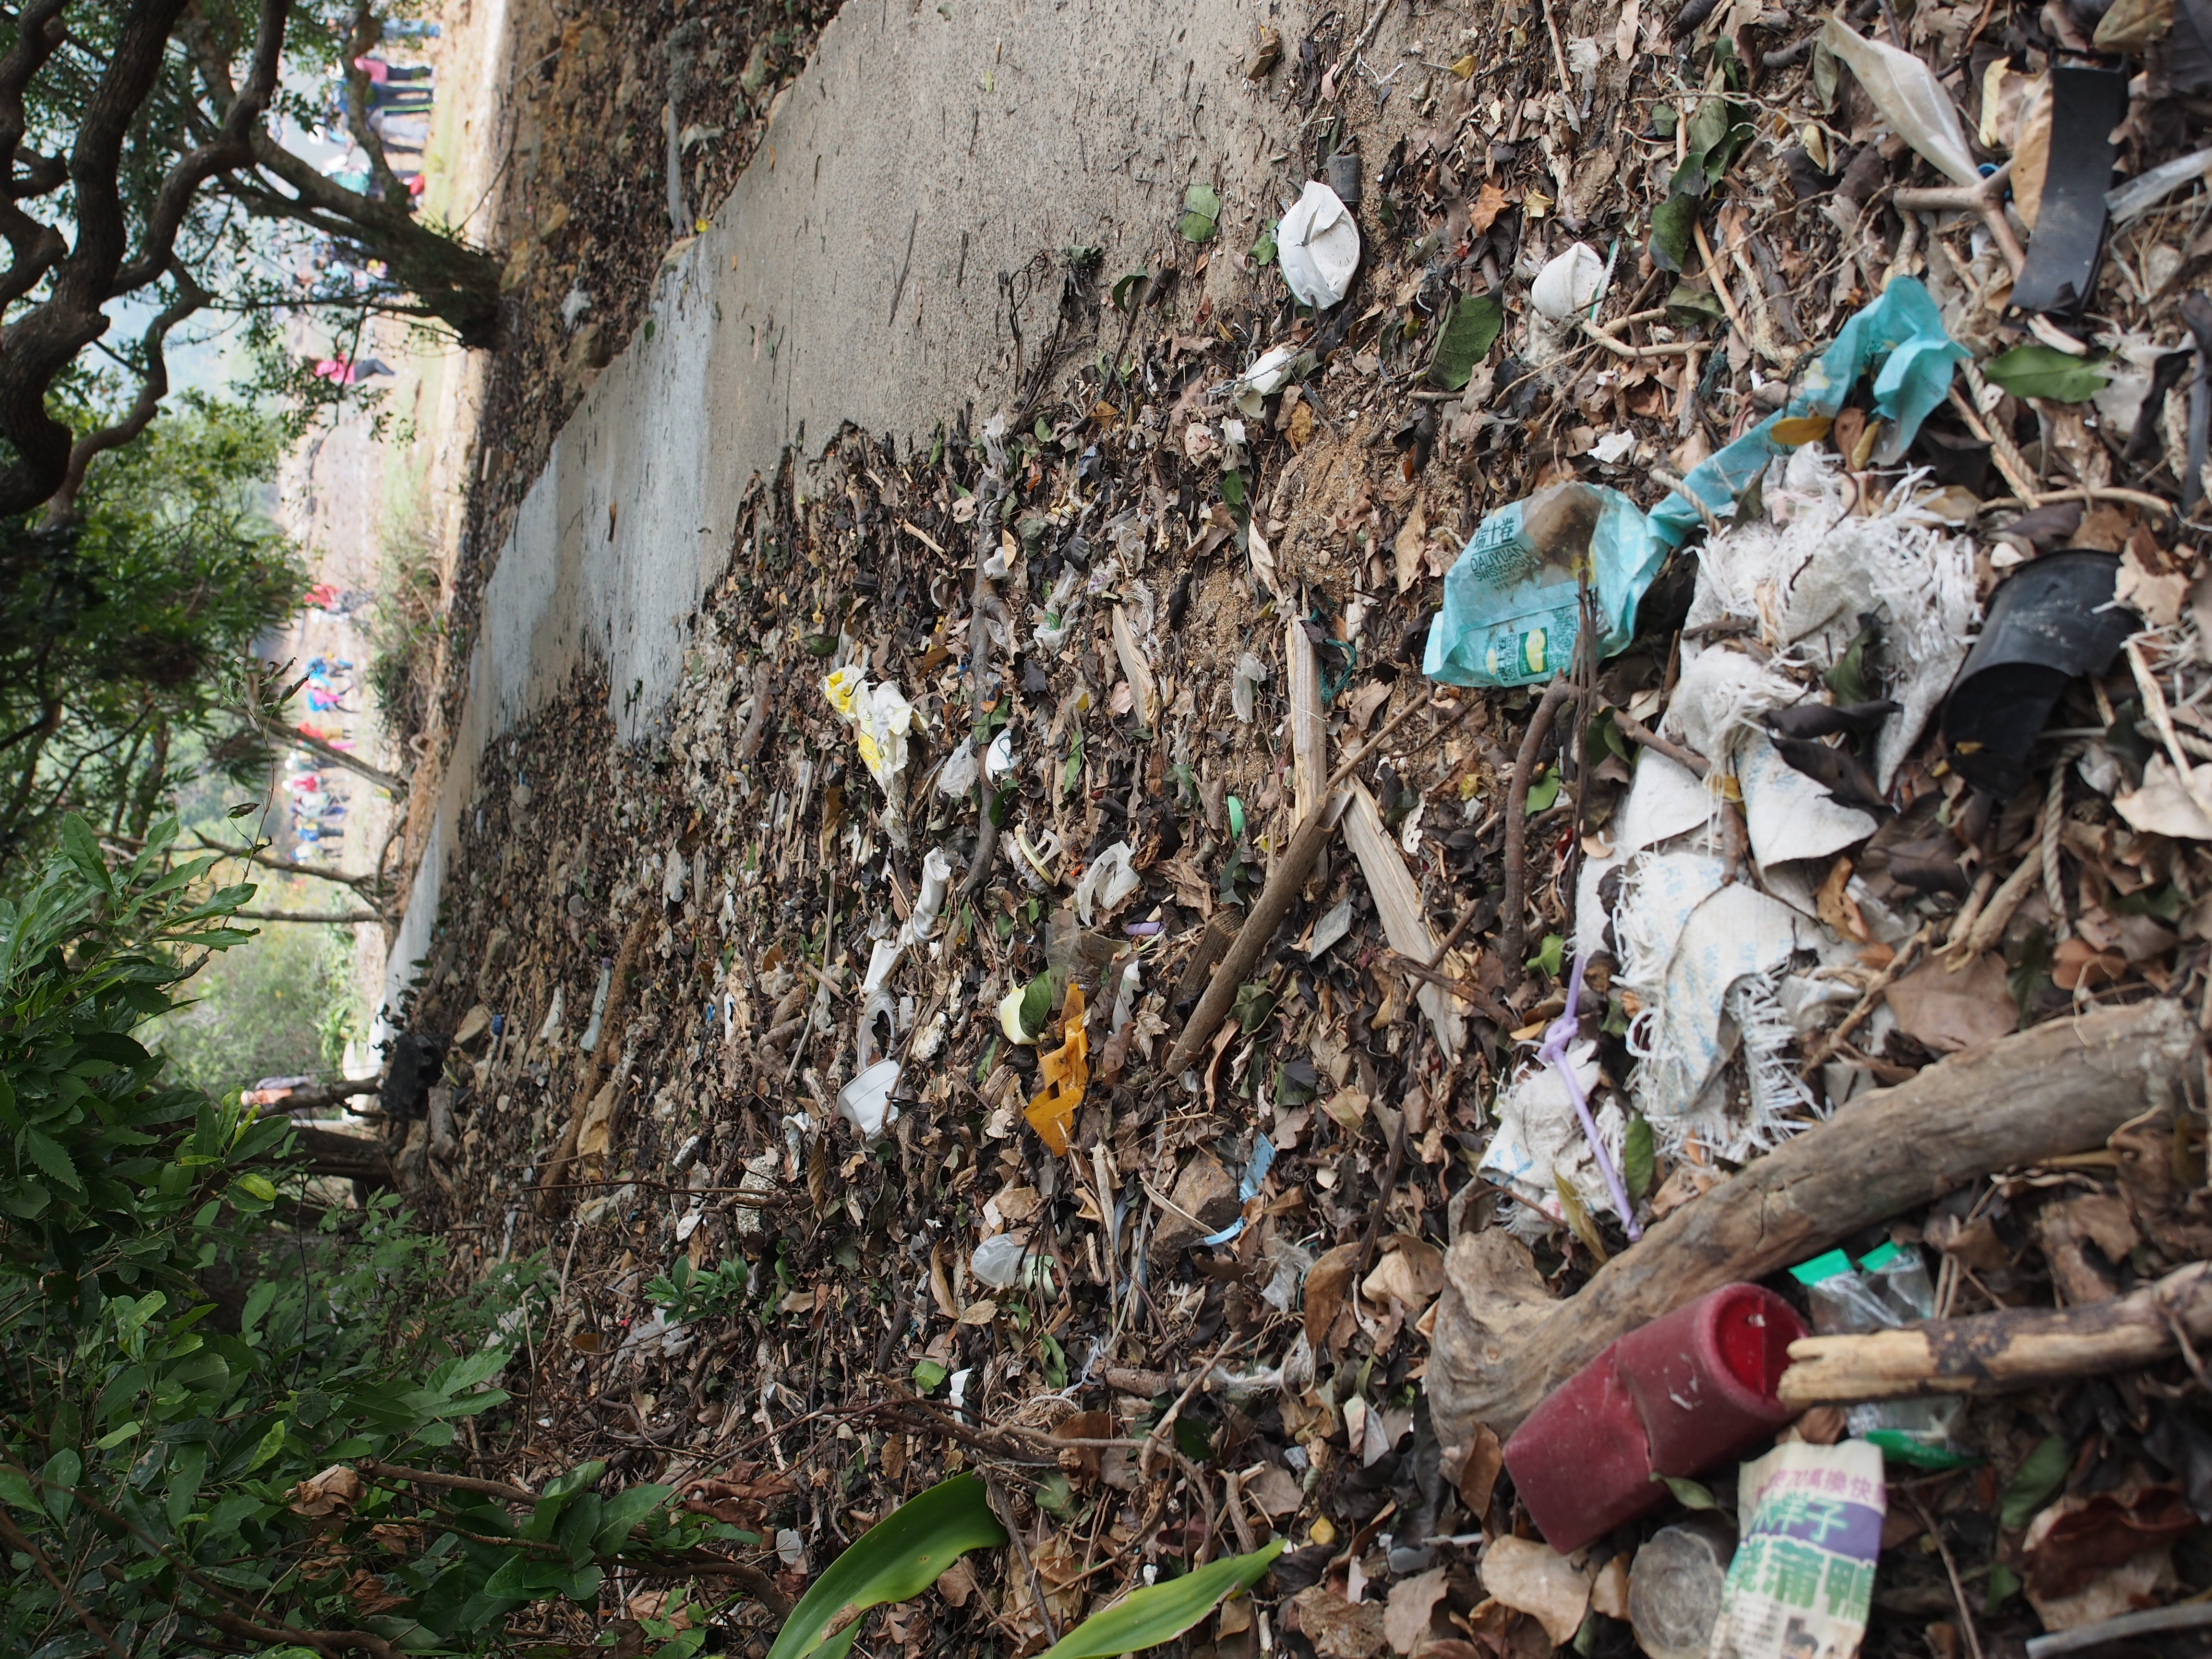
x=1636, y=732
x=2010, y=1348
x=2084, y=1638
x=1308, y=727
x=612, y=1021
x=756, y=728
x=1266, y=915
x=1510, y=912
x=1502, y=1343
x=1283, y=882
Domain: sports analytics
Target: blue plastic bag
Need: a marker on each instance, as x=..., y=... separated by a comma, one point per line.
x=1902, y=332
x=1511, y=611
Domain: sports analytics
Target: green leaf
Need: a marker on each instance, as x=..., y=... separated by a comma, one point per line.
x=1635, y=1158
x=625, y=1510
x=1054, y=1496
x=2040, y=1474
x=1544, y=791
x=1688, y=1493
x=899, y=1557
x=271, y=1444
x=81, y=849
x=1671, y=222
x=1549, y=956
x=1037, y=1005
x=1694, y=301
x=2004, y=1584
x=2035, y=370
x=1128, y=291
x=60, y=1477
x=1465, y=340
x=1263, y=250
x=1160, y=1613
x=1201, y=213
x=929, y=1375
x=47, y=1153
x=259, y=1186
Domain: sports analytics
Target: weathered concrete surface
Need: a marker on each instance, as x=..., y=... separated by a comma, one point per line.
x=854, y=275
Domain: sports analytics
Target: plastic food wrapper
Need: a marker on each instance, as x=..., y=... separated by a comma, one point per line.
x=1802, y=1578
x=1269, y=374
x=880, y=717
x=997, y=1261
x=1318, y=244
x=1065, y=1071
x=1512, y=599
x=1248, y=1187
x=1569, y=284
x=1108, y=883
x=1910, y=97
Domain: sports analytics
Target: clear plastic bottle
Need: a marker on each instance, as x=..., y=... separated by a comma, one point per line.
x=1888, y=1289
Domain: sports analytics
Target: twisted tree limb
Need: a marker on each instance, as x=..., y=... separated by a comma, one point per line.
x=1502, y=1343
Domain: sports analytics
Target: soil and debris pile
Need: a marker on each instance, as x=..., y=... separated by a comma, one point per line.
x=1227, y=942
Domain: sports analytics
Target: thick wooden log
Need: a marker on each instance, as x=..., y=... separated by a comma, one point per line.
x=2010, y=1348
x=344, y=1157
x=1501, y=1343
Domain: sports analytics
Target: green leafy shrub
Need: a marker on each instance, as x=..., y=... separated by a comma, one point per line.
x=219, y=1432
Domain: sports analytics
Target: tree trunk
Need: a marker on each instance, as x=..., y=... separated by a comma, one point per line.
x=345, y=1158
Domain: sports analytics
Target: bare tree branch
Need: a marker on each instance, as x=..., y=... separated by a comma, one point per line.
x=233, y=148
x=338, y=757
x=37, y=248
x=367, y=29
x=190, y=297
x=366, y=886
x=346, y=918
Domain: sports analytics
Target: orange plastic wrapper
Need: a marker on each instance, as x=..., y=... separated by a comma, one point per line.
x=1065, y=1071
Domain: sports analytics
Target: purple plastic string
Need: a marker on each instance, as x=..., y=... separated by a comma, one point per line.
x=1556, y=1036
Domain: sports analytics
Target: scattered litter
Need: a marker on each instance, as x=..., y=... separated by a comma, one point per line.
x=1318, y=243
x=865, y=1101
x=2052, y=622
x=880, y=718
x=1671, y=1400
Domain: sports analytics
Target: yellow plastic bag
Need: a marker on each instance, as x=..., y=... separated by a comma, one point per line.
x=1066, y=1073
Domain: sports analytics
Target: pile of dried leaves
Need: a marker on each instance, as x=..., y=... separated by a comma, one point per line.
x=1163, y=604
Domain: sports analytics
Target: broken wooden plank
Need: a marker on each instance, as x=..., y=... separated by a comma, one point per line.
x=1308, y=727
x=1398, y=902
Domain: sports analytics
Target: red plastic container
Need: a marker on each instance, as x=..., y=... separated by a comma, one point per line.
x=1682, y=1393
